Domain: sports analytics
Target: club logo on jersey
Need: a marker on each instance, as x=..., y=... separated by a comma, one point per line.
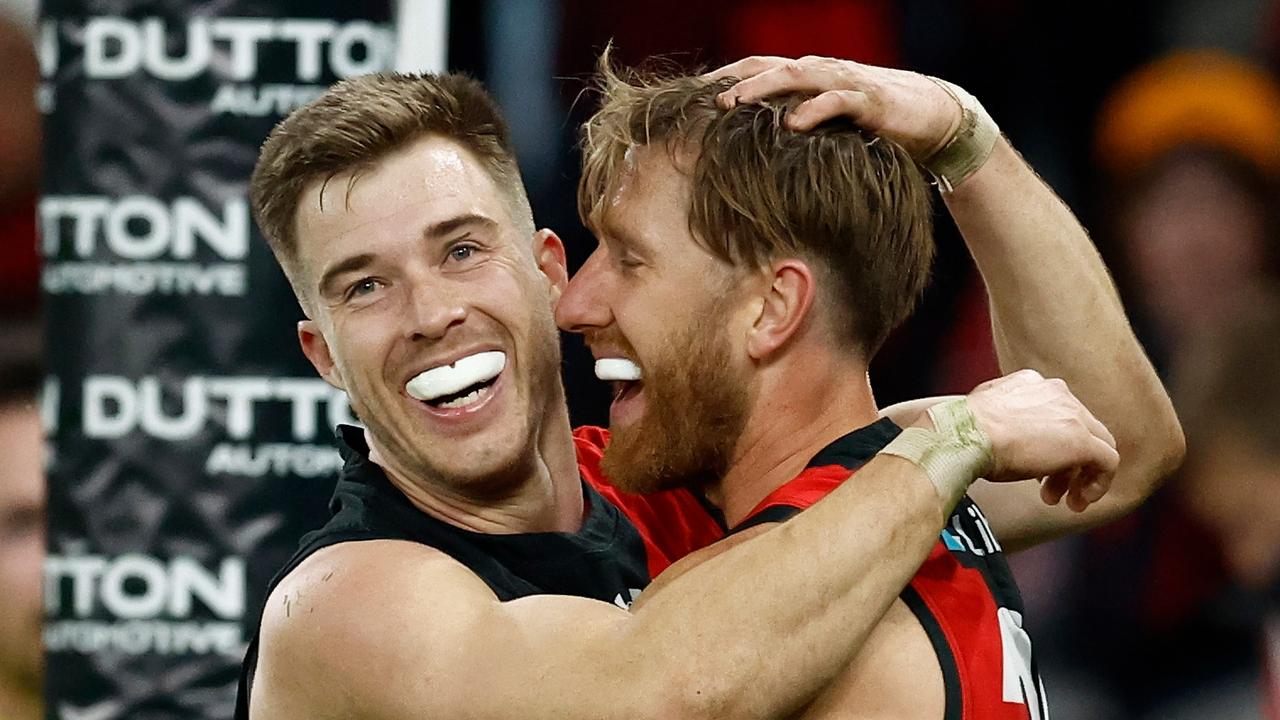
x=967, y=523
x=633, y=594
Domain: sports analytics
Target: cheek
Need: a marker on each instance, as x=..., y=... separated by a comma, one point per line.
x=360, y=346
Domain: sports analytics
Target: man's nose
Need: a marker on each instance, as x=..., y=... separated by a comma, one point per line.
x=585, y=302
x=432, y=310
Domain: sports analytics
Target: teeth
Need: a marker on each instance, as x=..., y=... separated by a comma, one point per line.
x=617, y=369
x=452, y=378
x=465, y=400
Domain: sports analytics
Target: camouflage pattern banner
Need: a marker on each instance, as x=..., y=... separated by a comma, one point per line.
x=192, y=442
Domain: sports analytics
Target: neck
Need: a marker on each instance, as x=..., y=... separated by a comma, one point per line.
x=799, y=409
x=20, y=702
x=546, y=496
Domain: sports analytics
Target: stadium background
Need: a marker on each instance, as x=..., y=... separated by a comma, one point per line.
x=1170, y=613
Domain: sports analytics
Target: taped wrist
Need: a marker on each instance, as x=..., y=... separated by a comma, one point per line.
x=969, y=147
x=954, y=454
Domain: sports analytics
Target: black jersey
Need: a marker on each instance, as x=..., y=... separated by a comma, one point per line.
x=623, y=539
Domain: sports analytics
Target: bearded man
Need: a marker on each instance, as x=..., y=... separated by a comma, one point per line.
x=762, y=230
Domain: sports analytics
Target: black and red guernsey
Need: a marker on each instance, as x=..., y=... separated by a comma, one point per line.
x=964, y=594
x=624, y=542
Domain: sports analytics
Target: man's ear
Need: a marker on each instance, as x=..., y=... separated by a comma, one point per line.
x=548, y=253
x=784, y=305
x=316, y=349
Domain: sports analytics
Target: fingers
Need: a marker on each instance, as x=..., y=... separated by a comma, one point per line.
x=779, y=76
x=1098, y=429
x=788, y=77
x=1092, y=481
x=746, y=67
x=832, y=104
x=1055, y=486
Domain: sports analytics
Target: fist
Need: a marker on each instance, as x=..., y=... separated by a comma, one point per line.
x=1038, y=429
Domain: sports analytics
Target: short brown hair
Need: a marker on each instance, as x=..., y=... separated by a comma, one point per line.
x=855, y=204
x=360, y=120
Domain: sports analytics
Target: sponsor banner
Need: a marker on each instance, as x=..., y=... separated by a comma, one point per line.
x=192, y=443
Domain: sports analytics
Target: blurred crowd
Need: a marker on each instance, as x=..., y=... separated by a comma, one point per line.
x=22, y=488
x=1159, y=122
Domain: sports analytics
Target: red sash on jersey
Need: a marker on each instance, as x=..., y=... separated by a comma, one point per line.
x=672, y=523
x=963, y=595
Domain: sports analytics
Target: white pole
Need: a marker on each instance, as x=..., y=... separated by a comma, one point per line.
x=422, y=35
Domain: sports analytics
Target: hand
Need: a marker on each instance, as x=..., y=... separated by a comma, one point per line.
x=905, y=107
x=1037, y=429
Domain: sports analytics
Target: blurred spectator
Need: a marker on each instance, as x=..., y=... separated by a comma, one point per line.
x=22, y=484
x=1227, y=386
x=1157, y=618
x=19, y=166
x=1191, y=148
x=1228, y=389
x=22, y=528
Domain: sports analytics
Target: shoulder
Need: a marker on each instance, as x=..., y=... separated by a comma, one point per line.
x=349, y=618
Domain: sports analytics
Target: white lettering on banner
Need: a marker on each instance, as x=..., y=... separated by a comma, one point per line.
x=259, y=101
x=138, y=637
x=142, y=587
x=158, y=241
x=87, y=278
x=137, y=227
x=50, y=401
x=47, y=48
x=278, y=459
x=151, y=603
x=117, y=47
x=114, y=407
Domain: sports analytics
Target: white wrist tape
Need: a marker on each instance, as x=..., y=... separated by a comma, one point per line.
x=969, y=147
x=954, y=454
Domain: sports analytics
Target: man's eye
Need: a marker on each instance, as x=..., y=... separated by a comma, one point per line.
x=462, y=252
x=362, y=287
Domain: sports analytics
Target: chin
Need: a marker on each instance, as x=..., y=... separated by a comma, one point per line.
x=485, y=464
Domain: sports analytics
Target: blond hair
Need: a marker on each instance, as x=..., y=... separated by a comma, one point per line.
x=855, y=204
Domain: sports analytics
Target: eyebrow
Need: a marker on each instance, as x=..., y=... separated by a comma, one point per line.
x=613, y=232
x=454, y=224
x=351, y=264
x=431, y=232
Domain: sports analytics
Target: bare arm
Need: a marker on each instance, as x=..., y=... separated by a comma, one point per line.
x=387, y=629
x=1055, y=309
x=1054, y=306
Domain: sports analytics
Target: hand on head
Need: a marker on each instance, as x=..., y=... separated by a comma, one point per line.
x=908, y=108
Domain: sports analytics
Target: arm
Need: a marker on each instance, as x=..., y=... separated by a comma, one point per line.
x=386, y=629
x=1054, y=307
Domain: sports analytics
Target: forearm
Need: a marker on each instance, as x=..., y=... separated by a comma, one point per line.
x=810, y=591
x=1055, y=309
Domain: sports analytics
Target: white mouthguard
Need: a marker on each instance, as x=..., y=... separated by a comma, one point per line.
x=617, y=369
x=462, y=373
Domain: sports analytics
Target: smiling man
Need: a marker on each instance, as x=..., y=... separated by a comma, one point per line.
x=759, y=239
x=477, y=563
